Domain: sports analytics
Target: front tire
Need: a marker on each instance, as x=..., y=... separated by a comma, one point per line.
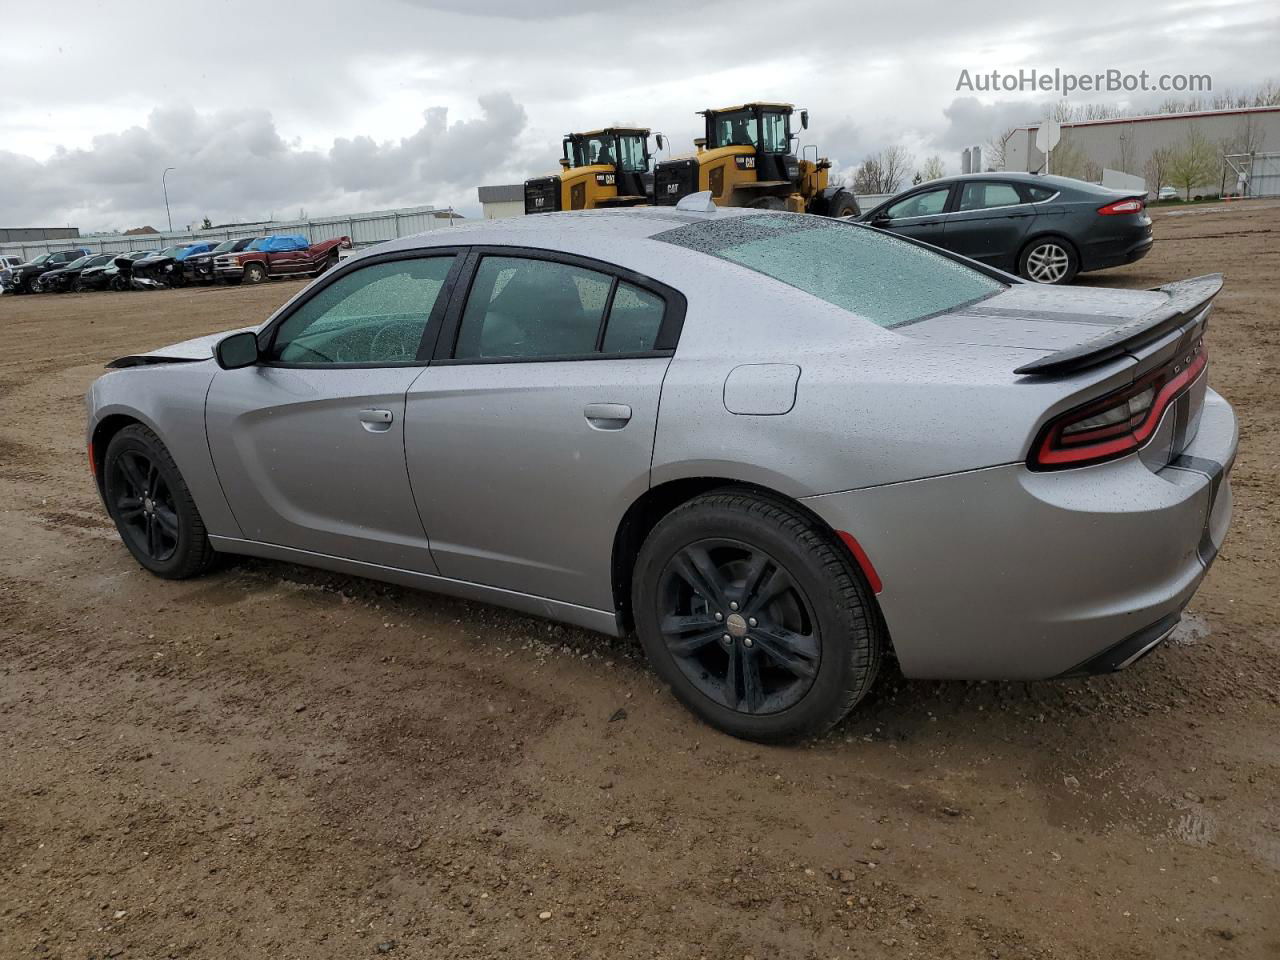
x=804, y=639
x=1049, y=260
x=255, y=273
x=844, y=204
x=152, y=506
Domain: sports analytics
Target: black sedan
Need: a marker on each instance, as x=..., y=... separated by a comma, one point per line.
x=198, y=268
x=62, y=279
x=1045, y=228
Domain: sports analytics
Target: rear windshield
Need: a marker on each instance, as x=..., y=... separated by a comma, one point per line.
x=887, y=280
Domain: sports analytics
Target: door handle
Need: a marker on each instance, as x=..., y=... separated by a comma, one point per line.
x=607, y=416
x=376, y=421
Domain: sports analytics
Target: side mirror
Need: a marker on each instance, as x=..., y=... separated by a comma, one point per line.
x=804, y=119
x=880, y=219
x=236, y=351
x=662, y=144
x=564, y=163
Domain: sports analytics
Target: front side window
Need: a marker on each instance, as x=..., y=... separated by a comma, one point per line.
x=592, y=150
x=880, y=277
x=924, y=204
x=374, y=314
x=979, y=196
x=522, y=308
x=738, y=128
x=774, y=138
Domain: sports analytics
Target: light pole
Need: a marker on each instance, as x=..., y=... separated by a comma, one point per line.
x=165, y=187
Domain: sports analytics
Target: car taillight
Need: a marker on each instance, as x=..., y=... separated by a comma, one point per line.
x=1118, y=423
x=1132, y=205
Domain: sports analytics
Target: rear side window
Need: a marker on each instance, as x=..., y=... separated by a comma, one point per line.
x=979, y=196
x=1039, y=193
x=874, y=275
x=523, y=308
x=634, y=320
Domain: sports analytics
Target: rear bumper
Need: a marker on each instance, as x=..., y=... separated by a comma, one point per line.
x=1115, y=251
x=1004, y=573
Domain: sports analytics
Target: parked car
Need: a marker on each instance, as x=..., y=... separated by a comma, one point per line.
x=118, y=275
x=25, y=278
x=198, y=267
x=1168, y=193
x=165, y=268
x=1044, y=228
x=600, y=419
x=7, y=263
x=283, y=255
x=65, y=278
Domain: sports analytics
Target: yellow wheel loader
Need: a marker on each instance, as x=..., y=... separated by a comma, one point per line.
x=600, y=168
x=746, y=160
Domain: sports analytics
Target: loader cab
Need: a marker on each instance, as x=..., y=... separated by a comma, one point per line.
x=765, y=127
x=599, y=168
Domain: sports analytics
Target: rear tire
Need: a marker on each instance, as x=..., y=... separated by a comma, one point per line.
x=152, y=506
x=1049, y=260
x=805, y=638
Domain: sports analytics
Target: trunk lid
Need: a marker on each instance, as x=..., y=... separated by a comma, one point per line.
x=1076, y=335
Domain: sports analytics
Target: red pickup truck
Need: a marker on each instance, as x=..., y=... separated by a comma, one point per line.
x=287, y=255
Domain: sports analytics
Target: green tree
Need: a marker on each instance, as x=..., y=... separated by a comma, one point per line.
x=1194, y=163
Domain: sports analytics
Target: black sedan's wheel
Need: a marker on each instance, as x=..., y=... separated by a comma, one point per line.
x=1049, y=260
x=152, y=507
x=756, y=617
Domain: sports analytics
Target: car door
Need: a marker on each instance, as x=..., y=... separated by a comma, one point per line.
x=920, y=215
x=533, y=431
x=308, y=444
x=989, y=222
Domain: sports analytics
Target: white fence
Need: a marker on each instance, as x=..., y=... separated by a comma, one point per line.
x=363, y=229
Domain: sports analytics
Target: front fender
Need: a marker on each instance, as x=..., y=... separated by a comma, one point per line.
x=169, y=400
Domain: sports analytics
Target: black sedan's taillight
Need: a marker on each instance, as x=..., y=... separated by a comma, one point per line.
x=1120, y=422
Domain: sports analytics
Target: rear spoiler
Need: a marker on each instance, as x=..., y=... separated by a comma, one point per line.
x=1188, y=299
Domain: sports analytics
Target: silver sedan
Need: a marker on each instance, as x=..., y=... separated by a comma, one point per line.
x=777, y=447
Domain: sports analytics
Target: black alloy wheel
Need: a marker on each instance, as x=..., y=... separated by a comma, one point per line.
x=152, y=506
x=756, y=615
x=738, y=626
x=144, y=506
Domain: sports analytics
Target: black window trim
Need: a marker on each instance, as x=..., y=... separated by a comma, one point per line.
x=267, y=335
x=668, y=337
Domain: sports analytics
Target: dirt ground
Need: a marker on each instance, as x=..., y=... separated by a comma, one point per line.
x=276, y=762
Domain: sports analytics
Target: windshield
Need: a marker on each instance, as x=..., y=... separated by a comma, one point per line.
x=77, y=264
x=225, y=246
x=42, y=258
x=882, y=278
x=170, y=251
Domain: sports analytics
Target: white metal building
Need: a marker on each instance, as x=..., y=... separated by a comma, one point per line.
x=503, y=200
x=1126, y=143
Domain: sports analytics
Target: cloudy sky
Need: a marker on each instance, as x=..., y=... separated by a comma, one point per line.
x=268, y=108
